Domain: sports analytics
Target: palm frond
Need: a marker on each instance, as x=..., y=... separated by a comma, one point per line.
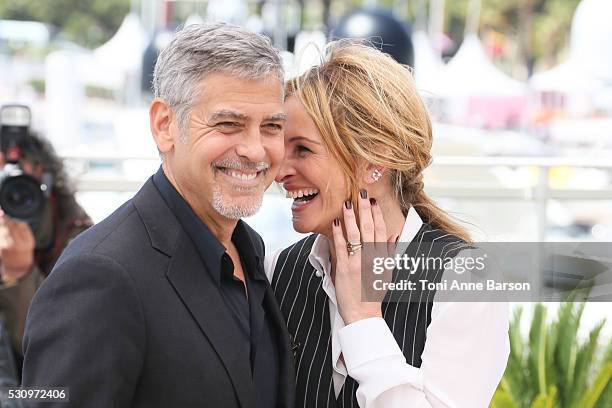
x=584, y=360
x=547, y=400
x=501, y=399
x=600, y=383
x=537, y=348
x=552, y=368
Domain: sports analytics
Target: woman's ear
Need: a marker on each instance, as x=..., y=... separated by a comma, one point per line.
x=161, y=121
x=372, y=173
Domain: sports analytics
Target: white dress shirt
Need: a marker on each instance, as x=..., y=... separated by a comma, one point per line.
x=464, y=358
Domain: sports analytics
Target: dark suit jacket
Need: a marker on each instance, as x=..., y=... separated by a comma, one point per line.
x=129, y=317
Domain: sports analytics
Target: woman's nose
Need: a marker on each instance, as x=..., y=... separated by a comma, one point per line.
x=286, y=170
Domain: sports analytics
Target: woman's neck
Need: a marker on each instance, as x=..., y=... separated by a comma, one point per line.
x=394, y=221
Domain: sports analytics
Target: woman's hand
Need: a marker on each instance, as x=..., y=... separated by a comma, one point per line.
x=372, y=231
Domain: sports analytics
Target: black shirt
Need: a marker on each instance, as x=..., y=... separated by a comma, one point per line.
x=248, y=311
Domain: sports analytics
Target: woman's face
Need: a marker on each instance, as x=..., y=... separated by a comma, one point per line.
x=311, y=177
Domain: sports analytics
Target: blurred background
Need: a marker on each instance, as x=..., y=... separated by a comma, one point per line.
x=520, y=92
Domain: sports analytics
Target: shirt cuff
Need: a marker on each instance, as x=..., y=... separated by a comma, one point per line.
x=374, y=359
x=367, y=340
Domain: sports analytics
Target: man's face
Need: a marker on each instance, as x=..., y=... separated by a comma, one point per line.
x=233, y=145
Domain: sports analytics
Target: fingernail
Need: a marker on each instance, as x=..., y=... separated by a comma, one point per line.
x=337, y=222
x=373, y=201
x=348, y=204
x=363, y=194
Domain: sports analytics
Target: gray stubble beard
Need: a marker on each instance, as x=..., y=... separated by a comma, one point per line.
x=225, y=207
x=233, y=211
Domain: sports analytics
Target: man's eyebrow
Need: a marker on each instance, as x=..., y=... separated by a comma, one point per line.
x=278, y=117
x=302, y=138
x=227, y=114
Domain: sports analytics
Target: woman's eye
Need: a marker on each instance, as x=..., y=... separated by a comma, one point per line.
x=301, y=150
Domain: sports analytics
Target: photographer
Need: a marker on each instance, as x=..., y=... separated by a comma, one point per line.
x=39, y=216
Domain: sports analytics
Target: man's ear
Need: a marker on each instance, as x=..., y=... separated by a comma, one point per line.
x=161, y=120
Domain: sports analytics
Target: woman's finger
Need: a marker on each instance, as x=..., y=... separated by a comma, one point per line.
x=366, y=224
x=350, y=223
x=380, y=228
x=339, y=244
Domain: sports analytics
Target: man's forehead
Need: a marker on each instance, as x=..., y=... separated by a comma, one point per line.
x=228, y=82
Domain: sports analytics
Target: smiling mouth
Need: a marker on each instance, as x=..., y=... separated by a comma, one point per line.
x=302, y=196
x=240, y=175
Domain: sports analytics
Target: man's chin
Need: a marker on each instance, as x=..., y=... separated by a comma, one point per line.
x=238, y=207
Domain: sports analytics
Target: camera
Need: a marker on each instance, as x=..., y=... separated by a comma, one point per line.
x=22, y=196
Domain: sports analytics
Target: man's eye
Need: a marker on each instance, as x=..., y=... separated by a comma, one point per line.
x=228, y=124
x=274, y=126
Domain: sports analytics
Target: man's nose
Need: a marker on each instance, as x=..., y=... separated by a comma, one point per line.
x=251, y=146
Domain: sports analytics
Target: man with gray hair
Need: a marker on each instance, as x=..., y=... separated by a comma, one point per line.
x=165, y=303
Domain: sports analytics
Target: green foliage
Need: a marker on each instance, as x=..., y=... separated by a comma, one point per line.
x=552, y=368
x=502, y=400
x=38, y=84
x=546, y=400
x=87, y=22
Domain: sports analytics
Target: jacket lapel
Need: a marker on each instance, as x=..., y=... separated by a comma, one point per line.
x=200, y=294
x=194, y=285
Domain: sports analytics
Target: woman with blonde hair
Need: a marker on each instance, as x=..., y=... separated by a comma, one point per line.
x=356, y=143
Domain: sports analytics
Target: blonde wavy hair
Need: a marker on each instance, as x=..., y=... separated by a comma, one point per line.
x=365, y=105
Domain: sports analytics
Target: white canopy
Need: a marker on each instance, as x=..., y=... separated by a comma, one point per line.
x=124, y=50
x=470, y=73
x=589, y=65
x=569, y=76
x=32, y=32
x=428, y=65
x=309, y=50
x=591, y=36
x=229, y=11
x=193, y=18
x=476, y=93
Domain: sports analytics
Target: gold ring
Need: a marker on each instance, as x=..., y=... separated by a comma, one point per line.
x=353, y=248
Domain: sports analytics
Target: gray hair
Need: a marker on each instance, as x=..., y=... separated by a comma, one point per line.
x=201, y=49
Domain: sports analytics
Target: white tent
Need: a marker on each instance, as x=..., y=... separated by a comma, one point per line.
x=557, y=78
x=428, y=65
x=590, y=57
x=192, y=19
x=470, y=73
x=124, y=50
x=591, y=36
x=580, y=81
x=24, y=32
x=309, y=51
x=229, y=11
x=476, y=93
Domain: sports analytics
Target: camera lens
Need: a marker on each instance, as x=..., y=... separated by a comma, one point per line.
x=21, y=197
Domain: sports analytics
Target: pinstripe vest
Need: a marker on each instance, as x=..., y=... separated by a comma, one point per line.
x=303, y=303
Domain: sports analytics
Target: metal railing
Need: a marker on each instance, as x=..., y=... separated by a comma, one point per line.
x=539, y=193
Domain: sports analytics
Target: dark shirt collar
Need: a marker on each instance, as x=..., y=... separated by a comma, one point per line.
x=208, y=246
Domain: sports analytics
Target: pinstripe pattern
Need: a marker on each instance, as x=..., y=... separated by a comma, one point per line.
x=325, y=358
x=406, y=317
